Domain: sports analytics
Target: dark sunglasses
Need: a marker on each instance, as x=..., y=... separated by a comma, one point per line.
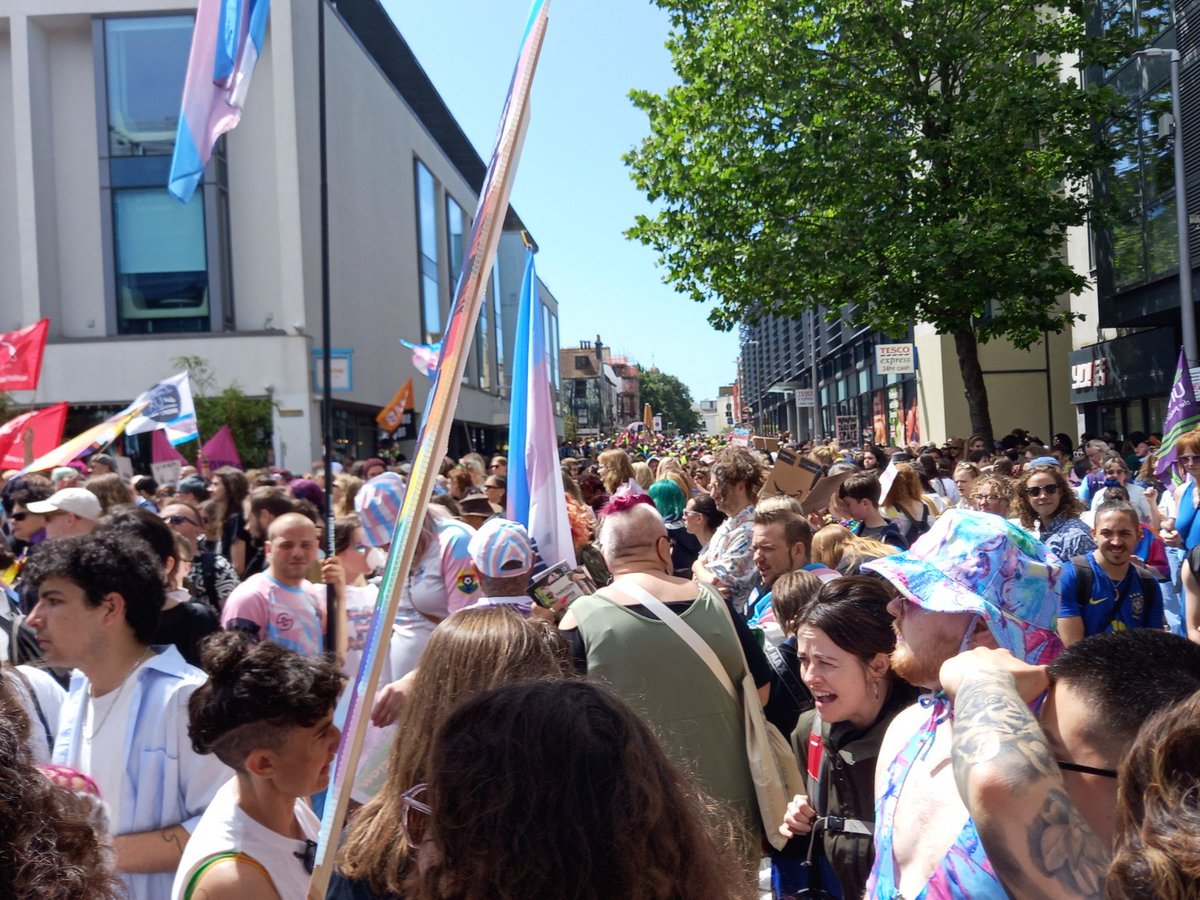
x=179, y=520
x=1086, y=770
x=1050, y=489
x=1187, y=459
x=308, y=855
x=21, y=516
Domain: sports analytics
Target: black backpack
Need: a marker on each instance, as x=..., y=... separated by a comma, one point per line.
x=1085, y=581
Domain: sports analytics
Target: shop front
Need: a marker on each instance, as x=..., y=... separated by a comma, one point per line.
x=1122, y=385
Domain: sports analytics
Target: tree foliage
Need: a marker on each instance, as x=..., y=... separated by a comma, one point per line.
x=248, y=418
x=914, y=160
x=670, y=398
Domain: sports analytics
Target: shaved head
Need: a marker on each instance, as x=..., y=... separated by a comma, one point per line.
x=289, y=520
x=634, y=532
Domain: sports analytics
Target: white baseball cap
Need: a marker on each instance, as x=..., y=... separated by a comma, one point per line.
x=77, y=500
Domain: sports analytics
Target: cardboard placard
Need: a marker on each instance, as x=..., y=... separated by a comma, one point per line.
x=166, y=472
x=822, y=492
x=766, y=444
x=793, y=476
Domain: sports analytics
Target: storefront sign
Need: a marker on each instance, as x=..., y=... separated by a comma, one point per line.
x=847, y=431
x=895, y=359
x=341, y=373
x=806, y=397
x=1093, y=373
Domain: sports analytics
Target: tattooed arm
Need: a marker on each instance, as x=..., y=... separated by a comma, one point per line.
x=1035, y=838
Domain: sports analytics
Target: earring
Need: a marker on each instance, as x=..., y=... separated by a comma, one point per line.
x=875, y=687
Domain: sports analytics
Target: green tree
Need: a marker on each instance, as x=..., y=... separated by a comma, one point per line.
x=248, y=418
x=670, y=398
x=913, y=160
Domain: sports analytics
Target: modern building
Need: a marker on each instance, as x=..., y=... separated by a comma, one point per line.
x=1125, y=351
x=132, y=280
x=718, y=414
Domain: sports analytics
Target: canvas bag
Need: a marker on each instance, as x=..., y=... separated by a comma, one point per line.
x=772, y=764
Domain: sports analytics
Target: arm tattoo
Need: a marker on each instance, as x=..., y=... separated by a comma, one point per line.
x=992, y=722
x=169, y=836
x=1065, y=849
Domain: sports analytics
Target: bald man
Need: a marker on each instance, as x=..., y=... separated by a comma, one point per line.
x=280, y=604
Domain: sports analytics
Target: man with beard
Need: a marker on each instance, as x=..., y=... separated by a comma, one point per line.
x=975, y=581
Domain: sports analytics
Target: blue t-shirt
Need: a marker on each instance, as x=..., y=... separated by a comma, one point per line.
x=1135, y=611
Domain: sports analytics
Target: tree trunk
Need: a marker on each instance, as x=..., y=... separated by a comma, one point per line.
x=976, y=390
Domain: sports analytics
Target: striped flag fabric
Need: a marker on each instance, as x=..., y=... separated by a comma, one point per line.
x=1182, y=416
x=535, y=489
x=226, y=44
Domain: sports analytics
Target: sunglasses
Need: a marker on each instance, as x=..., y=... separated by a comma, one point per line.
x=412, y=801
x=179, y=520
x=21, y=516
x=1086, y=770
x=1187, y=459
x=1050, y=490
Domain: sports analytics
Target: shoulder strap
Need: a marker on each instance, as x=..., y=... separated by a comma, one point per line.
x=686, y=632
x=1084, y=578
x=217, y=859
x=37, y=705
x=816, y=755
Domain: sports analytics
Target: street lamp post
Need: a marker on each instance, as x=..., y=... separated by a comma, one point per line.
x=1187, y=310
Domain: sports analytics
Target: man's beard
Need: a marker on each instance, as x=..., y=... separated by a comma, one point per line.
x=923, y=671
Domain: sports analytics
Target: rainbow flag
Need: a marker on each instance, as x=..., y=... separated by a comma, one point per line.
x=488, y=223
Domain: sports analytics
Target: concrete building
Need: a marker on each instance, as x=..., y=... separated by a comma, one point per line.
x=131, y=280
x=718, y=414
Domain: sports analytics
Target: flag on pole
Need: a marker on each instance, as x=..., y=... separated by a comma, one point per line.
x=21, y=356
x=95, y=437
x=473, y=278
x=424, y=356
x=226, y=44
x=221, y=449
x=1182, y=416
x=535, y=489
x=47, y=427
x=167, y=406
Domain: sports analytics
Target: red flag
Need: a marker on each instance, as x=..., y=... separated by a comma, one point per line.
x=21, y=356
x=47, y=426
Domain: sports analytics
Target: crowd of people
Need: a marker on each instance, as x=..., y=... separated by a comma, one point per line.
x=985, y=658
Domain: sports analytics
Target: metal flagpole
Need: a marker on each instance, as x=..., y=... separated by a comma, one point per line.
x=326, y=342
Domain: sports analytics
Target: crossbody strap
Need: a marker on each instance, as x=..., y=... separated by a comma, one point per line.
x=672, y=619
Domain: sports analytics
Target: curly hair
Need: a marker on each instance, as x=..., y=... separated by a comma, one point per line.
x=1155, y=853
x=1069, y=503
x=634, y=827
x=737, y=465
x=470, y=652
x=108, y=561
x=111, y=490
x=254, y=694
x=49, y=846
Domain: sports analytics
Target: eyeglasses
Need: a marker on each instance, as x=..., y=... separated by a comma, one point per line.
x=988, y=498
x=1050, y=489
x=412, y=801
x=1086, y=770
x=1187, y=459
x=179, y=520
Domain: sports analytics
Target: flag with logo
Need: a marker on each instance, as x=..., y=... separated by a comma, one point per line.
x=226, y=44
x=1182, y=416
x=169, y=406
x=47, y=427
x=535, y=489
x=21, y=356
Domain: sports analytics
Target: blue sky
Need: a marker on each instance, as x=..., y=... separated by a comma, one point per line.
x=572, y=190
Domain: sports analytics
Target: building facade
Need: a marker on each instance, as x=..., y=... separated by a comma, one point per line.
x=599, y=389
x=132, y=280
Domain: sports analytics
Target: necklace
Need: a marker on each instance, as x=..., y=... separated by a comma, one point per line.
x=116, y=700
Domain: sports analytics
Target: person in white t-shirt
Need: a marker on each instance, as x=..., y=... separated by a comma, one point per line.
x=267, y=713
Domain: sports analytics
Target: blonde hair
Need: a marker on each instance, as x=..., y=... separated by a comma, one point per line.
x=828, y=544
x=349, y=485
x=620, y=470
x=642, y=475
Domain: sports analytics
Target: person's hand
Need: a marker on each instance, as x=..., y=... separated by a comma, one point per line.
x=1031, y=681
x=1171, y=537
x=799, y=817
x=539, y=613
x=332, y=572
x=1151, y=493
x=389, y=703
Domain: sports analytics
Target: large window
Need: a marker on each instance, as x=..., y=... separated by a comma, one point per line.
x=169, y=261
x=431, y=306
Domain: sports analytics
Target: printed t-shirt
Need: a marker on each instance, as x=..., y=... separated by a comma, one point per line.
x=1135, y=611
x=268, y=610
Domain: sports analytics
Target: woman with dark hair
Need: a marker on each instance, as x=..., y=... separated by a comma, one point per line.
x=50, y=846
x=267, y=713
x=635, y=827
x=701, y=518
x=229, y=491
x=472, y=651
x=1046, y=505
x=844, y=640
x=874, y=458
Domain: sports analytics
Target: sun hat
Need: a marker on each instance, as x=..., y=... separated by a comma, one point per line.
x=501, y=548
x=979, y=563
x=479, y=505
x=378, y=505
x=1045, y=461
x=77, y=500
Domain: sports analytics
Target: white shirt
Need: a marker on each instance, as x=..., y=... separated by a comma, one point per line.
x=102, y=750
x=42, y=698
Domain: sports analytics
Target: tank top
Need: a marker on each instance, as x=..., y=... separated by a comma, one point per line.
x=964, y=873
x=226, y=831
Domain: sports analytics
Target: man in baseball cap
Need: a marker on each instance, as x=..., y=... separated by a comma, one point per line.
x=503, y=554
x=68, y=512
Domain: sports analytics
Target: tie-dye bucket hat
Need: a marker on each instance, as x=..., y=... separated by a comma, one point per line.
x=979, y=563
x=378, y=504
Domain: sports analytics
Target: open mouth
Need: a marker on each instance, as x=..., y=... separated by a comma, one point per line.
x=824, y=699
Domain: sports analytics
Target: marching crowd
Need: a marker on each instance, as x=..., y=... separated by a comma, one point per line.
x=951, y=671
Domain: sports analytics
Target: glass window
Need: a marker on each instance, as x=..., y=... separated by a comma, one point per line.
x=431, y=305
x=146, y=60
x=1127, y=252
x=162, y=265
x=1162, y=243
x=1153, y=18
x=454, y=236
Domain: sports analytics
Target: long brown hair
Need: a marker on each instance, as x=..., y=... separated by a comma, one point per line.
x=1155, y=852
x=620, y=469
x=470, y=652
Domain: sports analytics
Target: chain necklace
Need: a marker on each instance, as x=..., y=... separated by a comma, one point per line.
x=116, y=700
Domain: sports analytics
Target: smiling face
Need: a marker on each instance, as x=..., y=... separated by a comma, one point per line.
x=1116, y=535
x=292, y=548
x=841, y=683
x=1044, y=495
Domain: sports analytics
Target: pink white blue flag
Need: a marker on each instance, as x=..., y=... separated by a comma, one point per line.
x=535, y=489
x=226, y=44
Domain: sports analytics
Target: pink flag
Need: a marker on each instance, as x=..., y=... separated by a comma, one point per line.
x=220, y=450
x=161, y=449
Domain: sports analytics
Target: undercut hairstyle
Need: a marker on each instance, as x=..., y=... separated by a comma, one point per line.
x=275, y=500
x=106, y=562
x=1155, y=852
x=1125, y=677
x=737, y=465
x=860, y=486
x=785, y=511
x=1118, y=506
x=635, y=827
x=790, y=593
x=144, y=524
x=254, y=694
x=853, y=612
x=1069, y=503
x=707, y=507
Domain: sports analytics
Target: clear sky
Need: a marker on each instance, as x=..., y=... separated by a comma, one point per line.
x=572, y=190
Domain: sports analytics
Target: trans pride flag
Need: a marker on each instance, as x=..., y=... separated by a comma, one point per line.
x=535, y=490
x=226, y=45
